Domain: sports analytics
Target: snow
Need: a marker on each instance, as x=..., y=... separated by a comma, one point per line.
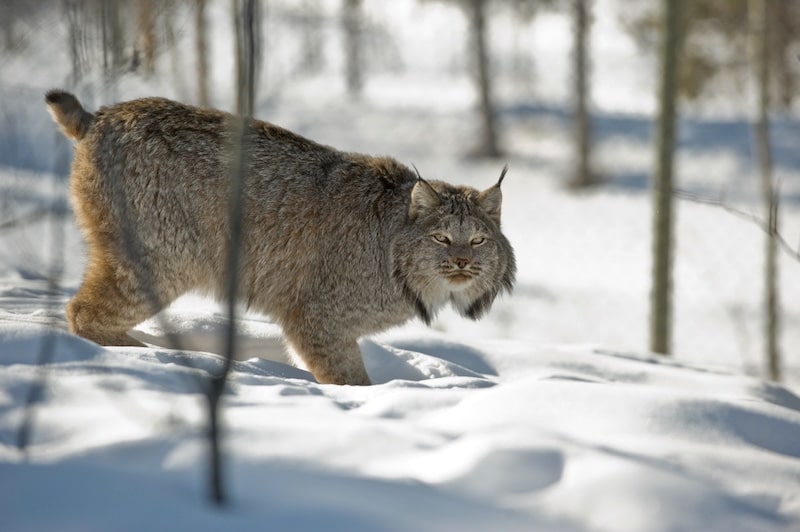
x=498, y=434
x=547, y=415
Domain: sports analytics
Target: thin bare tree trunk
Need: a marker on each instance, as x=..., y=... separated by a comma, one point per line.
x=312, y=37
x=488, y=145
x=201, y=51
x=351, y=24
x=146, y=35
x=759, y=17
x=117, y=35
x=73, y=11
x=248, y=52
x=661, y=294
x=780, y=36
x=8, y=18
x=169, y=17
x=583, y=176
x=113, y=43
x=246, y=22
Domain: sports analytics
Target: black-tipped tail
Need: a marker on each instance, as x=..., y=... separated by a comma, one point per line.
x=68, y=113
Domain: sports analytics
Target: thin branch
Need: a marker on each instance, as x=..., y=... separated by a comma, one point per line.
x=31, y=217
x=245, y=25
x=768, y=226
x=47, y=347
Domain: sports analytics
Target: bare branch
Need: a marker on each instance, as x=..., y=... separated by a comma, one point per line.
x=246, y=37
x=31, y=217
x=768, y=226
x=47, y=347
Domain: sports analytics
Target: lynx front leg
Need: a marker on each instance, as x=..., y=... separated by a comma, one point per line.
x=331, y=361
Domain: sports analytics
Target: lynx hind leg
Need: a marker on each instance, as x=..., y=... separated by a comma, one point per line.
x=108, y=304
x=331, y=361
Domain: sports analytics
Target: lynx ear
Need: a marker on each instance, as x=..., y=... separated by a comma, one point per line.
x=423, y=197
x=491, y=199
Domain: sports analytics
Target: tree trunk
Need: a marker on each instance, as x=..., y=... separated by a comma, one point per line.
x=759, y=18
x=661, y=295
x=351, y=24
x=488, y=144
x=781, y=61
x=168, y=16
x=8, y=21
x=145, y=26
x=583, y=176
x=201, y=52
x=248, y=53
x=312, y=38
x=72, y=11
x=246, y=23
x=113, y=42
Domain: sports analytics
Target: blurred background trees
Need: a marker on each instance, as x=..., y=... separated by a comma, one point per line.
x=584, y=175
x=751, y=44
x=763, y=17
x=488, y=145
x=717, y=43
x=663, y=225
x=201, y=52
x=739, y=50
x=351, y=28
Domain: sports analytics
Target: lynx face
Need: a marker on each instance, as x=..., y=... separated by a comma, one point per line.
x=452, y=250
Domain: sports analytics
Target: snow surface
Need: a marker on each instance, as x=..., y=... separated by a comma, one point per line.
x=498, y=435
x=547, y=415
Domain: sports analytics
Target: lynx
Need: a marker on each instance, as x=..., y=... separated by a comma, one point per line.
x=334, y=246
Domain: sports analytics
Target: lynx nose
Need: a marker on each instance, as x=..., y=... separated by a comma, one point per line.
x=461, y=262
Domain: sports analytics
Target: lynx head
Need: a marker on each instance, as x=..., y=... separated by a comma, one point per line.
x=452, y=250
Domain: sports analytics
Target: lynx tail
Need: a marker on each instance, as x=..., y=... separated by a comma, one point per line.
x=68, y=113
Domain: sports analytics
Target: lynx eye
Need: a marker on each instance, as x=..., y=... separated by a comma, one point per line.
x=440, y=238
x=477, y=241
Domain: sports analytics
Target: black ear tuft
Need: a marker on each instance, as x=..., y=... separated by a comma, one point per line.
x=502, y=175
x=423, y=197
x=419, y=176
